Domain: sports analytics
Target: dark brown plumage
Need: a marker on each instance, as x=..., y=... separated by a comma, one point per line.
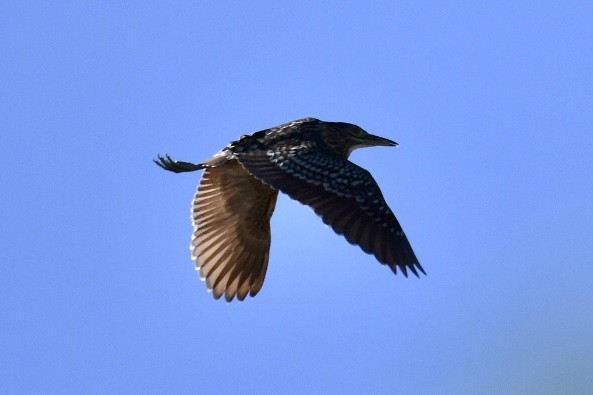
x=306, y=159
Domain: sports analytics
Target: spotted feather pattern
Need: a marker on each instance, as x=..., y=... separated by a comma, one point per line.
x=345, y=195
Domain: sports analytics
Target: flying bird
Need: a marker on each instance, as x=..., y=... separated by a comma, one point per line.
x=306, y=159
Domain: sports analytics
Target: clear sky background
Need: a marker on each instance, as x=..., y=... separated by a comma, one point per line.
x=492, y=104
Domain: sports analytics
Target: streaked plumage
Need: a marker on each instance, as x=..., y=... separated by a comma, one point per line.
x=308, y=160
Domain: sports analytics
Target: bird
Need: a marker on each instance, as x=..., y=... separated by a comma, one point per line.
x=306, y=159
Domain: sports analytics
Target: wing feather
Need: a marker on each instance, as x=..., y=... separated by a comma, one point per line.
x=231, y=216
x=343, y=194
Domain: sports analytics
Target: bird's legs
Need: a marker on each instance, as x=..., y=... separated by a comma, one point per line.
x=176, y=166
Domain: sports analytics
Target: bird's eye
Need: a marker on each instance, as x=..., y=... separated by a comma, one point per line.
x=359, y=132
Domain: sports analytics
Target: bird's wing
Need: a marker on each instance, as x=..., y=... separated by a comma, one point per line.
x=231, y=241
x=343, y=194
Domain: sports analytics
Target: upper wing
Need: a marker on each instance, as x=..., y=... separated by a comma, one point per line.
x=345, y=196
x=231, y=241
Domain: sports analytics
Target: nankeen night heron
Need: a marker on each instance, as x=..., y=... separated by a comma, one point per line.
x=306, y=159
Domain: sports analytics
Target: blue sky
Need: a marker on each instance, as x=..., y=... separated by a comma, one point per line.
x=492, y=107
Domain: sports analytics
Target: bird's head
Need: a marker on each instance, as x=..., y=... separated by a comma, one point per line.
x=348, y=137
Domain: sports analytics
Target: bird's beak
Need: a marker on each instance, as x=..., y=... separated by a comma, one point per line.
x=370, y=140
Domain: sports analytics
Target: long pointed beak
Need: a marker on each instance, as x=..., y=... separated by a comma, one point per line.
x=370, y=140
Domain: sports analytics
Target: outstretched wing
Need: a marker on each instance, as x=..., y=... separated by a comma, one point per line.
x=231, y=241
x=343, y=194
